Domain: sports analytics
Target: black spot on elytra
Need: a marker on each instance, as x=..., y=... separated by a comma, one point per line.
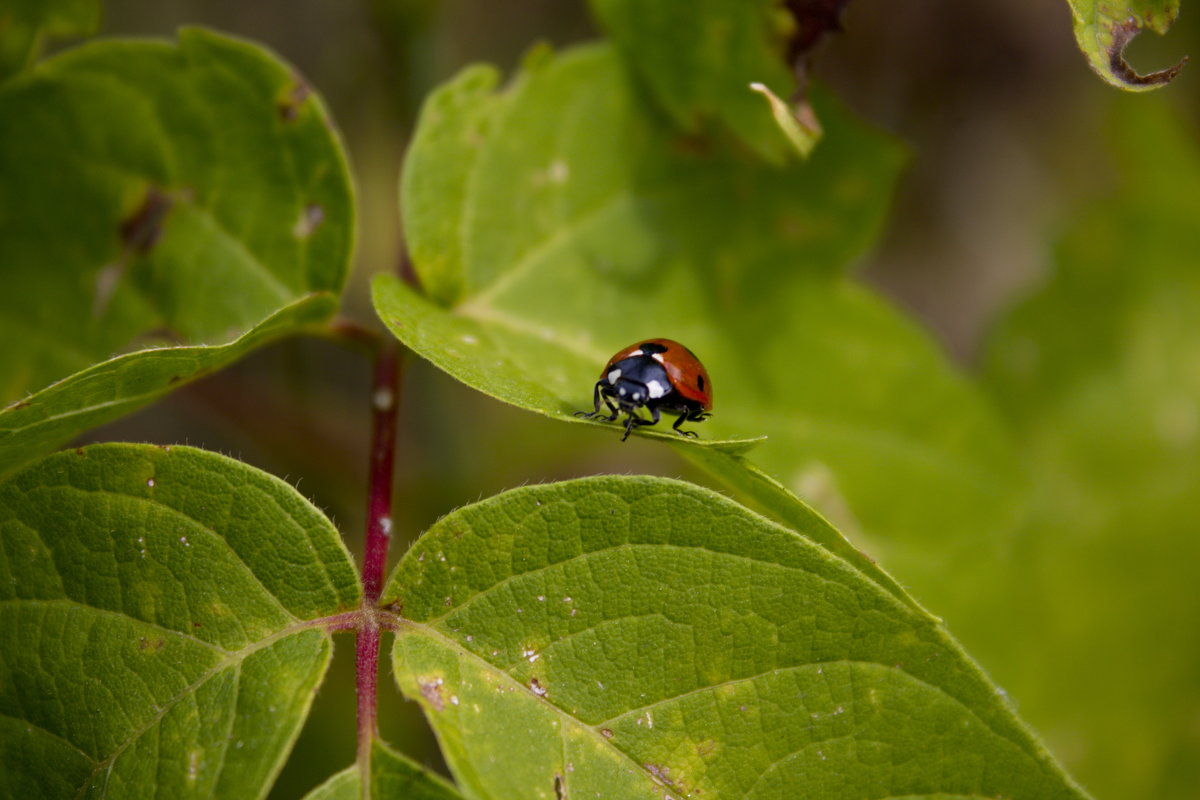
x=652, y=348
x=141, y=230
x=700, y=382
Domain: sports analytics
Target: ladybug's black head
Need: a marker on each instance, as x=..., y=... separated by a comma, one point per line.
x=637, y=381
x=630, y=394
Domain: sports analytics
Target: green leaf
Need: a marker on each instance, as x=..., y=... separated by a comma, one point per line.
x=584, y=225
x=24, y=24
x=453, y=129
x=1104, y=27
x=153, y=190
x=393, y=775
x=52, y=417
x=1098, y=372
x=640, y=637
x=700, y=57
x=160, y=611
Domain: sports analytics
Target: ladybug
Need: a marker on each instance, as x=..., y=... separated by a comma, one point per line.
x=659, y=375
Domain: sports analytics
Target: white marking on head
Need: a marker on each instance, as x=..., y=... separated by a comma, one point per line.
x=657, y=390
x=612, y=376
x=621, y=391
x=637, y=397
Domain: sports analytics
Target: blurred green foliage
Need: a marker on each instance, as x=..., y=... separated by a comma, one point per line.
x=1099, y=374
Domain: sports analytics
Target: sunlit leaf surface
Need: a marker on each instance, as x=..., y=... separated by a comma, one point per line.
x=156, y=611
x=640, y=637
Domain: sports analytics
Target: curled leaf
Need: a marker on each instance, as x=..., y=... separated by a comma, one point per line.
x=1103, y=28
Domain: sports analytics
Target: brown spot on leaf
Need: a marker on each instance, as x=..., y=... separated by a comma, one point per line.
x=1123, y=34
x=606, y=733
x=17, y=406
x=152, y=645
x=536, y=687
x=691, y=145
x=662, y=773
x=560, y=789
x=293, y=98
x=431, y=690
x=79, y=451
x=174, y=379
x=141, y=230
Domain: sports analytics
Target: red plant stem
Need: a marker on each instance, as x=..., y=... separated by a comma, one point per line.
x=383, y=457
x=366, y=667
x=379, y=533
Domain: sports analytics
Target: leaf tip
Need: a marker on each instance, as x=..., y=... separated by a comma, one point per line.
x=799, y=124
x=1111, y=37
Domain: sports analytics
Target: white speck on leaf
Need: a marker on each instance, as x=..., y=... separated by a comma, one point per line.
x=312, y=216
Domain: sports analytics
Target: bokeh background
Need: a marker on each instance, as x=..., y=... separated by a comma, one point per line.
x=1010, y=135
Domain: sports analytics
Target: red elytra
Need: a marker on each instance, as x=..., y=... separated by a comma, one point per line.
x=688, y=376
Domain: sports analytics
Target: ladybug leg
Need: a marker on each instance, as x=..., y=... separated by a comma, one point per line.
x=635, y=421
x=596, y=397
x=690, y=415
x=629, y=423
